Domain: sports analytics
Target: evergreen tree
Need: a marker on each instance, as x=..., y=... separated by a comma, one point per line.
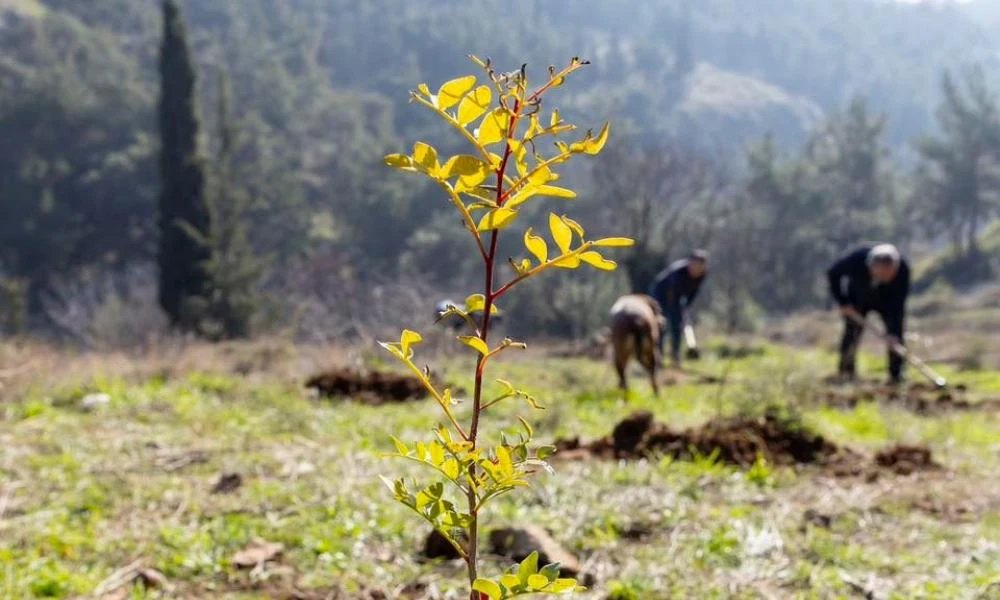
x=959, y=178
x=233, y=269
x=182, y=208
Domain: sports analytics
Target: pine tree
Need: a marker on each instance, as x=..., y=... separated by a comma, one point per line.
x=182, y=206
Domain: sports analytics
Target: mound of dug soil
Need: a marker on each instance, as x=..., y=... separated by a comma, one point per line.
x=739, y=440
x=371, y=387
x=921, y=398
x=903, y=459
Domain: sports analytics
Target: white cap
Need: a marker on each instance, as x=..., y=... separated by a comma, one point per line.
x=883, y=253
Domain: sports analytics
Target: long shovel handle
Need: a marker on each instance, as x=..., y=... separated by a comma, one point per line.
x=901, y=350
x=689, y=338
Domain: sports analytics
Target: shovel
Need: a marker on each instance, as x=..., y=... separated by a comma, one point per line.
x=901, y=350
x=692, y=352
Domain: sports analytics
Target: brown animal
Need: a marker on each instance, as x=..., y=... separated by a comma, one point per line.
x=636, y=322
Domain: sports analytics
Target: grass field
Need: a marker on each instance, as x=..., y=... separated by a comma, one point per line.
x=86, y=492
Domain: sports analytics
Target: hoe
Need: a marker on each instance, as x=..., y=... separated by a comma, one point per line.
x=691, y=343
x=901, y=350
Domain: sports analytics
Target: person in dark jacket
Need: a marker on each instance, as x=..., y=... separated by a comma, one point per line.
x=675, y=288
x=871, y=278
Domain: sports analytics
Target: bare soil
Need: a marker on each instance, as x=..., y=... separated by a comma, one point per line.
x=905, y=459
x=921, y=398
x=739, y=441
x=370, y=387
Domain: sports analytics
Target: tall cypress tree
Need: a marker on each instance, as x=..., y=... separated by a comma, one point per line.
x=183, y=209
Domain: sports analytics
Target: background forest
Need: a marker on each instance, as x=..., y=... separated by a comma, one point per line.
x=776, y=134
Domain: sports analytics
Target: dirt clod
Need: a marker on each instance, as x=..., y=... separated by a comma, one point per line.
x=371, y=387
x=814, y=517
x=630, y=431
x=437, y=546
x=227, y=482
x=516, y=543
x=904, y=460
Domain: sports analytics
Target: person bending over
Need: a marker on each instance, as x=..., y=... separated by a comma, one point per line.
x=871, y=278
x=675, y=288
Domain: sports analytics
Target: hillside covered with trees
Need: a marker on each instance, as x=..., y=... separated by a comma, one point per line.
x=776, y=134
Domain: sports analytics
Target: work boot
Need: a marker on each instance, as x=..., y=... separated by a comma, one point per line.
x=845, y=377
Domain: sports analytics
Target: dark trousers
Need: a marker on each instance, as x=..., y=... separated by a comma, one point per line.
x=852, y=339
x=675, y=324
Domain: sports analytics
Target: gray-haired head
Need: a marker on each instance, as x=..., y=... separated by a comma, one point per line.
x=698, y=254
x=883, y=254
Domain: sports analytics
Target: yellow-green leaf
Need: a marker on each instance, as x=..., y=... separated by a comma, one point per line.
x=423, y=89
x=452, y=91
x=479, y=193
x=436, y=452
x=477, y=303
x=537, y=582
x=463, y=165
x=595, y=145
x=394, y=349
x=561, y=233
x=541, y=176
x=567, y=262
x=474, y=105
x=504, y=461
x=574, y=226
x=493, y=128
x=534, y=128
x=597, y=261
x=399, y=161
x=521, y=267
x=562, y=585
x=536, y=245
x=510, y=581
x=498, y=218
x=615, y=242
x=450, y=468
x=471, y=171
x=555, y=192
x=490, y=588
x=520, y=153
x=528, y=567
x=408, y=339
x=400, y=446
x=475, y=343
x=554, y=119
x=425, y=158
x=523, y=195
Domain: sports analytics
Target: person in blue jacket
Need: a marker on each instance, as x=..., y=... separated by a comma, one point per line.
x=675, y=288
x=870, y=278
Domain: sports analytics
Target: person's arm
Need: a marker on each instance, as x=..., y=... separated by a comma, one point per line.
x=835, y=275
x=694, y=291
x=901, y=292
